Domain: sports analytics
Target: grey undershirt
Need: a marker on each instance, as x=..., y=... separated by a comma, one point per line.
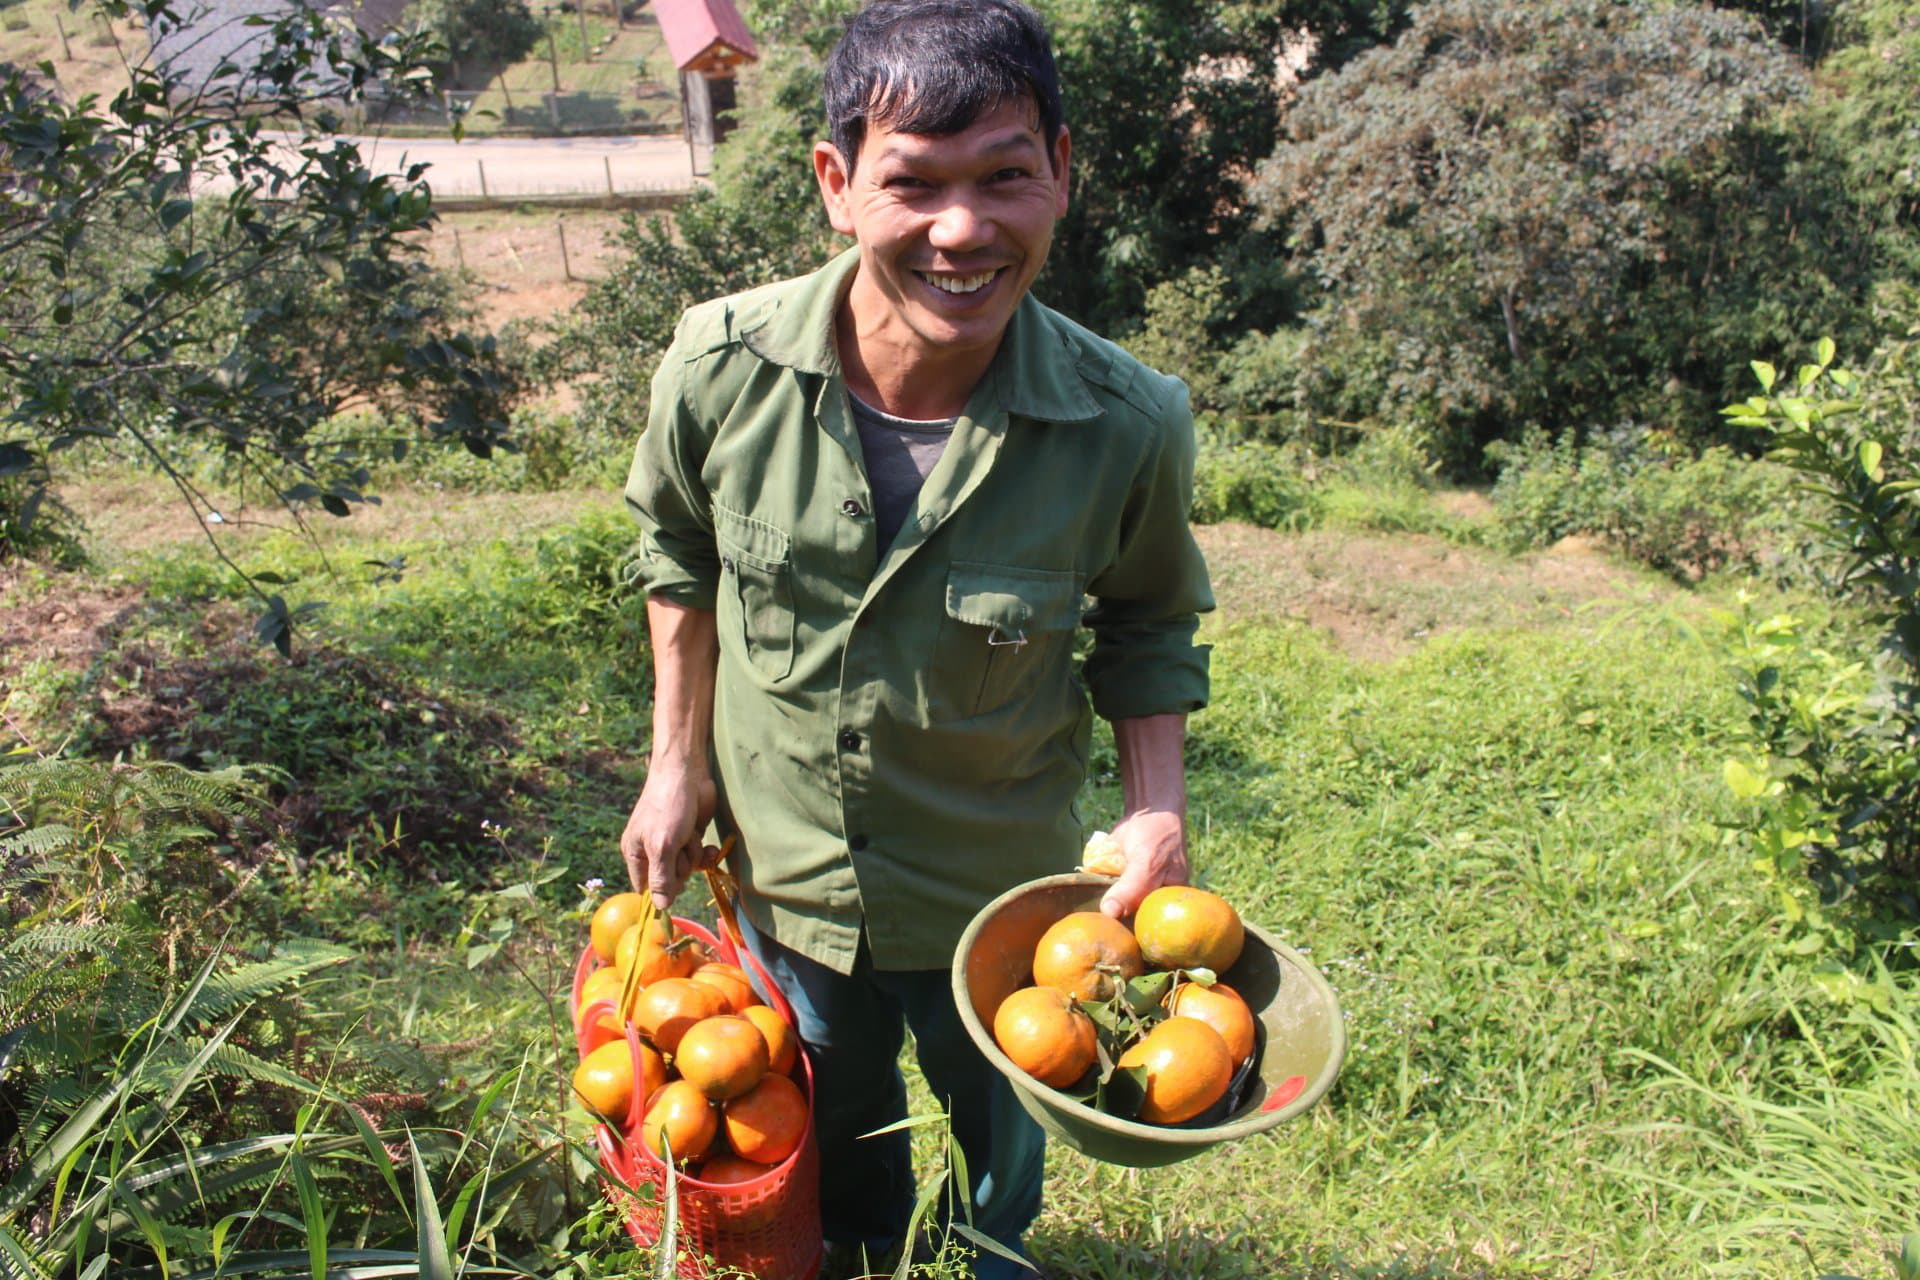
x=900, y=453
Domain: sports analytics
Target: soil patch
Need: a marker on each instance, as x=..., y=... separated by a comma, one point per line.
x=1379, y=596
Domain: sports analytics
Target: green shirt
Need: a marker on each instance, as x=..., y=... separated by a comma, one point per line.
x=900, y=732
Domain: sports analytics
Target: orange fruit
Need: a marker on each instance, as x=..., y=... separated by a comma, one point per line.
x=1220, y=1007
x=664, y=1010
x=611, y=919
x=726, y=1170
x=604, y=1078
x=683, y=1113
x=1181, y=927
x=783, y=1042
x=743, y=1214
x=1188, y=1068
x=661, y=953
x=765, y=1124
x=1045, y=1034
x=602, y=984
x=730, y=981
x=723, y=1057
x=1088, y=955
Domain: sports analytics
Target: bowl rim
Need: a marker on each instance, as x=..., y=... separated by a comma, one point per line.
x=1058, y=1101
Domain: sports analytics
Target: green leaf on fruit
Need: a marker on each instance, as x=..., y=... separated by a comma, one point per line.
x=1144, y=993
x=1123, y=1093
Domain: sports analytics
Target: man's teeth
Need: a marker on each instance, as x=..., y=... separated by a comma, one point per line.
x=959, y=284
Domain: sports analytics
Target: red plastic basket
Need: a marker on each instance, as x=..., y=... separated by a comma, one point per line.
x=768, y=1226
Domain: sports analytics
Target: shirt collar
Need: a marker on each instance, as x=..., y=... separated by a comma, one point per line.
x=1035, y=374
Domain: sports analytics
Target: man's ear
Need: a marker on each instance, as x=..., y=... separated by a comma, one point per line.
x=830, y=171
x=1062, y=158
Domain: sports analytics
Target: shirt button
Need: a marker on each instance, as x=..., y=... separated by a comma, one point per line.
x=852, y=507
x=849, y=740
x=857, y=842
x=726, y=562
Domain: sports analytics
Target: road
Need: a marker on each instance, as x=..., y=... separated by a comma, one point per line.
x=508, y=167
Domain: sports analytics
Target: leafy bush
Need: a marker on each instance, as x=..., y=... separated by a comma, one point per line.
x=545, y=449
x=1833, y=751
x=1683, y=514
x=1548, y=212
x=1252, y=481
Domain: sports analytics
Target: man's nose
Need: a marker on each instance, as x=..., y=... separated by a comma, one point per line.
x=960, y=226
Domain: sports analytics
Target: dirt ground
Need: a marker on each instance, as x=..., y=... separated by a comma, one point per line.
x=515, y=256
x=1379, y=596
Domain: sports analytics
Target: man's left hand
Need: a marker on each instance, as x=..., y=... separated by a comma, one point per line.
x=1154, y=843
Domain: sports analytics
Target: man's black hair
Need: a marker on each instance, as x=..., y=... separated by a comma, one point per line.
x=934, y=67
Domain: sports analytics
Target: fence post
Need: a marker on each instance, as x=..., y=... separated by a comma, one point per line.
x=586, y=46
x=481, y=165
x=608, y=162
x=66, y=50
x=566, y=263
x=459, y=250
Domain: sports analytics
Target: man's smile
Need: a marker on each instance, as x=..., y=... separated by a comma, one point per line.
x=957, y=283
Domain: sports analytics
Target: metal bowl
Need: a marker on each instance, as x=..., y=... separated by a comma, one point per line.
x=1301, y=1044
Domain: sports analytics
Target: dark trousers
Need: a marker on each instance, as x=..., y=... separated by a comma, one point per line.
x=854, y=1025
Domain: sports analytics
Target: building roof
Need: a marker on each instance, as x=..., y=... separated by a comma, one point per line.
x=205, y=34
x=704, y=33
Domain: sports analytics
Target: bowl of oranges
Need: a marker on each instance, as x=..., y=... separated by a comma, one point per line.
x=1145, y=1041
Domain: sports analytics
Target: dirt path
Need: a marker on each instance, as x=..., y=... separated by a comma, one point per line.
x=1380, y=596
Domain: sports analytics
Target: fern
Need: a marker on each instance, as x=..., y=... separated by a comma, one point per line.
x=227, y=993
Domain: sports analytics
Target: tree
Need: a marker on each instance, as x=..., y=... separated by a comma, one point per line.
x=761, y=221
x=1869, y=110
x=1535, y=212
x=477, y=34
x=180, y=282
x=1170, y=102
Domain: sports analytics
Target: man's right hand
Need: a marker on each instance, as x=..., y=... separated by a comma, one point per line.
x=662, y=844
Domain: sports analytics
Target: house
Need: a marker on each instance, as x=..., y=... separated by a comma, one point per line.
x=709, y=41
x=202, y=37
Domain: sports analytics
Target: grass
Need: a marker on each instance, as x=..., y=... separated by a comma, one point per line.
x=618, y=79
x=1577, y=1047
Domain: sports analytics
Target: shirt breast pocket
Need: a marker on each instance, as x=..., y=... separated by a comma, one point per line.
x=756, y=588
x=1008, y=632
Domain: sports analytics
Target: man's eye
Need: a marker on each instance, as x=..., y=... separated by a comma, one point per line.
x=1010, y=175
x=906, y=182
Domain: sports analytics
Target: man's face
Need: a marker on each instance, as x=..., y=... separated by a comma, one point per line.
x=952, y=230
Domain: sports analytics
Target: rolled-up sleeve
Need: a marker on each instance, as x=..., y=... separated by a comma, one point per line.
x=667, y=497
x=1148, y=601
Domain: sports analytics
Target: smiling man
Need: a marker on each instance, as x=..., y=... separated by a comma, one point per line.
x=877, y=505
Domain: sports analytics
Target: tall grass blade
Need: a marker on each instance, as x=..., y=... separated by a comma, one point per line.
x=434, y=1261
x=921, y=1207
x=984, y=1241
x=66, y=1142
x=313, y=1212
x=669, y=1246
x=149, y=1226
x=377, y=1154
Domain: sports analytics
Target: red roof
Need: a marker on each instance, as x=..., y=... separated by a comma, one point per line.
x=693, y=27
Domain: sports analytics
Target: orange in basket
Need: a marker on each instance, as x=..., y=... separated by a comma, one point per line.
x=767, y=1224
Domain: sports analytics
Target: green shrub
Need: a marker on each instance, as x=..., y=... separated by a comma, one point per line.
x=1252, y=481
x=1832, y=762
x=544, y=449
x=1682, y=514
